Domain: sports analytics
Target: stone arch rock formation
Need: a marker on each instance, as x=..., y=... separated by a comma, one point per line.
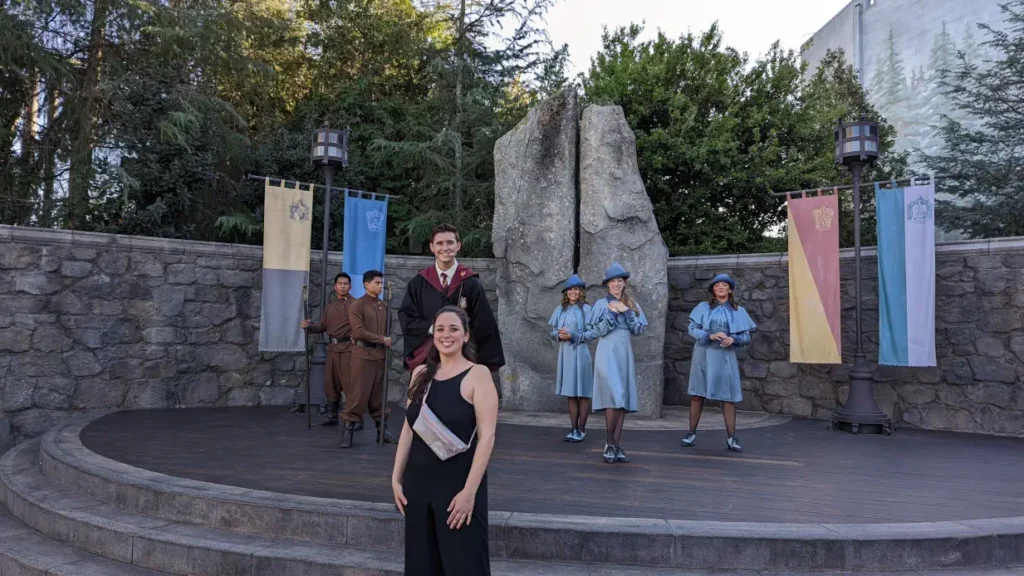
x=534, y=235
x=569, y=197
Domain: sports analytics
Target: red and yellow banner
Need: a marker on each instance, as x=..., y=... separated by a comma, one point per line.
x=814, y=307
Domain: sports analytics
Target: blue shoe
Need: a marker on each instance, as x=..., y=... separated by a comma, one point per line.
x=580, y=435
x=609, y=454
x=688, y=440
x=733, y=444
x=620, y=455
x=570, y=437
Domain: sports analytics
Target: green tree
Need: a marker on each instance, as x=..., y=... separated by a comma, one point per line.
x=30, y=74
x=482, y=81
x=716, y=136
x=984, y=162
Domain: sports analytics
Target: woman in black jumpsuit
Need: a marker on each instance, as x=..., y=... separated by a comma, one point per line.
x=445, y=501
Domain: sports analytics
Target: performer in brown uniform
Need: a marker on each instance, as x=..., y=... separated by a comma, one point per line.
x=368, y=318
x=339, y=345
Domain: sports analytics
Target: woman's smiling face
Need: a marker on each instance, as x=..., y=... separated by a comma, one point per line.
x=449, y=333
x=615, y=286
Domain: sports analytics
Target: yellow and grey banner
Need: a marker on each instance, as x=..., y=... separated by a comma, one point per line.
x=287, y=228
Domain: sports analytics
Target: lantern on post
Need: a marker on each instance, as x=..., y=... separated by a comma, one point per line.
x=856, y=148
x=329, y=151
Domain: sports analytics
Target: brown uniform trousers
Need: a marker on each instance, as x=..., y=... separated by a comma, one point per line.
x=337, y=372
x=368, y=320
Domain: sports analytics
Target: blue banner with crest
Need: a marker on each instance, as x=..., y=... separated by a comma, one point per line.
x=366, y=225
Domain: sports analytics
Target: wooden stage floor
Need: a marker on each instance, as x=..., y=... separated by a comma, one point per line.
x=792, y=472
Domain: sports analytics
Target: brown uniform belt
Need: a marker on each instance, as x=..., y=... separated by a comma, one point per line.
x=340, y=340
x=365, y=344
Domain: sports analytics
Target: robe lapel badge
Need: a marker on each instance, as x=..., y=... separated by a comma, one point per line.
x=462, y=299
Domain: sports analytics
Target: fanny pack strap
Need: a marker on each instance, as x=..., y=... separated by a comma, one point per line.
x=427, y=393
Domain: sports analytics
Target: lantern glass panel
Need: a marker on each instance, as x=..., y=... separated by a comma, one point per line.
x=871, y=146
x=334, y=138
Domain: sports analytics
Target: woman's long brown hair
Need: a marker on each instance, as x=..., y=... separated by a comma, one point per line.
x=418, y=389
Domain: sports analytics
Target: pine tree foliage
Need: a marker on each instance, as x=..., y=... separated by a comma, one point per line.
x=984, y=156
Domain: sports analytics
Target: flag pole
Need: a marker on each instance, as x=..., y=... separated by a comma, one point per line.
x=387, y=366
x=305, y=333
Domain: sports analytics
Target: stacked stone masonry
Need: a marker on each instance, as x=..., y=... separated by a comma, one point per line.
x=94, y=321
x=978, y=385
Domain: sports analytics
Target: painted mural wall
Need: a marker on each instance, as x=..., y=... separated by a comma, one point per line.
x=903, y=49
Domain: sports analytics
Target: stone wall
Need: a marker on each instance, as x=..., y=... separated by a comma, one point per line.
x=93, y=321
x=96, y=321
x=977, y=386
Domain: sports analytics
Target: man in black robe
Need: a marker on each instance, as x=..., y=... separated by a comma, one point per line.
x=447, y=283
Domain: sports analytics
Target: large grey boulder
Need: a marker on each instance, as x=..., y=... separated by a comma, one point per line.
x=534, y=237
x=617, y=224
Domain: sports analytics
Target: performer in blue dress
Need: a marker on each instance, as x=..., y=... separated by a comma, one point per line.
x=719, y=326
x=615, y=319
x=575, y=372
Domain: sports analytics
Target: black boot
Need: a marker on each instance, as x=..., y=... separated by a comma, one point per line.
x=331, y=419
x=359, y=425
x=346, y=435
x=387, y=435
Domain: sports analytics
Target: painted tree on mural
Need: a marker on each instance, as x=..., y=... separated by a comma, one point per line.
x=985, y=161
x=888, y=89
x=929, y=102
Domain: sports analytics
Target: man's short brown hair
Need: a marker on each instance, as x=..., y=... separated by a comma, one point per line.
x=442, y=229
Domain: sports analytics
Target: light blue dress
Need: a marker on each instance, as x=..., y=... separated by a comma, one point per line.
x=575, y=371
x=714, y=371
x=614, y=366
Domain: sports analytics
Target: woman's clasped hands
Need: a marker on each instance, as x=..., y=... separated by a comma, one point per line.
x=723, y=339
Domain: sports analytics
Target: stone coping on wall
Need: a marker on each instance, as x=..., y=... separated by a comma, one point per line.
x=968, y=247
x=50, y=236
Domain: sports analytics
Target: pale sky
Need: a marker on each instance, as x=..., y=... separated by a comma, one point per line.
x=748, y=25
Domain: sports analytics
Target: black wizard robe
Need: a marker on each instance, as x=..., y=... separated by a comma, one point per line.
x=424, y=297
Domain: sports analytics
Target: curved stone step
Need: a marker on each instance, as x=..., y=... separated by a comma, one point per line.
x=93, y=535
x=25, y=552
x=369, y=527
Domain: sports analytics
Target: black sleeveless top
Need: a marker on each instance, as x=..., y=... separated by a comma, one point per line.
x=446, y=401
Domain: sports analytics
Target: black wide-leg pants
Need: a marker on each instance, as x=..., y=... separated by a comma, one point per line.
x=434, y=549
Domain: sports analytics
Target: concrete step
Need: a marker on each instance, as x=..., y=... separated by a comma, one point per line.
x=537, y=537
x=90, y=534
x=25, y=552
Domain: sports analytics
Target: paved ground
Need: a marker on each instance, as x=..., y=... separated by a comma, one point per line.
x=791, y=472
x=672, y=419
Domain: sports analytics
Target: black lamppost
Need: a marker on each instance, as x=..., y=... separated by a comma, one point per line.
x=329, y=151
x=857, y=147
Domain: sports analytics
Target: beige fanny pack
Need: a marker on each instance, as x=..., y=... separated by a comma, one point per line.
x=441, y=440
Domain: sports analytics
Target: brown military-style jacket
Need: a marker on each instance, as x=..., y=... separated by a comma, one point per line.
x=368, y=318
x=336, y=323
